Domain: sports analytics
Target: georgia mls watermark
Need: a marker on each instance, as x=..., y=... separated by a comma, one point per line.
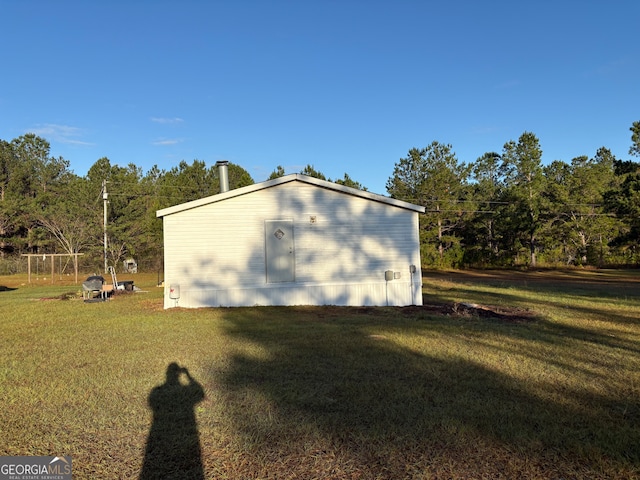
x=35, y=468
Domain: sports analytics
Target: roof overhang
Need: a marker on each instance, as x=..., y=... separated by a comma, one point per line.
x=294, y=177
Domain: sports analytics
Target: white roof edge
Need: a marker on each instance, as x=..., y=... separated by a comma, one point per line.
x=221, y=196
x=288, y=178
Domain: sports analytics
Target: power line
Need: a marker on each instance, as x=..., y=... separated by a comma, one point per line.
x=493, y=212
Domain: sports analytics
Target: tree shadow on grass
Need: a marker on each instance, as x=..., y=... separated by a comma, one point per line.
x=173, y=446
x=329, y=399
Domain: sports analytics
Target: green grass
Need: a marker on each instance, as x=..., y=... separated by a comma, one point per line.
x=327, y=392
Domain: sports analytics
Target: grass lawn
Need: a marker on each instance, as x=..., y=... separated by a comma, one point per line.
x=501, y=375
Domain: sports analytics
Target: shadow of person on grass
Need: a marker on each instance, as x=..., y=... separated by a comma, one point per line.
x=173, y=446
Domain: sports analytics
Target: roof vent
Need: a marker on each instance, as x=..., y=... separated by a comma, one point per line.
x=223, y=173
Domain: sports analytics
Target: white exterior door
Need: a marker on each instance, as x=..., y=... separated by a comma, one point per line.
x=279, y=249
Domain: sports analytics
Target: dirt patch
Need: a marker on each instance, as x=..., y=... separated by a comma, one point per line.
x=153, y=305
x=503, y=314
x=564, y=278
x=64, y=296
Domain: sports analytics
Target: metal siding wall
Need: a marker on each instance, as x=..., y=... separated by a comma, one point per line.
x=352, y=239
x=341, y=257
x=394, y=294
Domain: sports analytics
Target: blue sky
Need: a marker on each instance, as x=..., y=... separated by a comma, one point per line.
x=347, y=86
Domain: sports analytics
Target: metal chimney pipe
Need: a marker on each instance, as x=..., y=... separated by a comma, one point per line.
x=223, y=173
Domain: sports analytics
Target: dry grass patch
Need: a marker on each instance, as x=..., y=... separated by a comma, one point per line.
x=493, y=378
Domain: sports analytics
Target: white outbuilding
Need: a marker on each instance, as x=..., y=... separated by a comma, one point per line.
x=294, y=240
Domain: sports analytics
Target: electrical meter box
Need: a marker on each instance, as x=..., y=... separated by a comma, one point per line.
x=174, y=292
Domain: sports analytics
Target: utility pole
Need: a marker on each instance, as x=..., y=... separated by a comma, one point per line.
x=105, y=196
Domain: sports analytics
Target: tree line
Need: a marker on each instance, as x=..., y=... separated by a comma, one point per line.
x=508, y=209
x=45, y=208
x=504, y=209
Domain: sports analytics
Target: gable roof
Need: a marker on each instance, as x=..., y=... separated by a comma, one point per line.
x=294, y=177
